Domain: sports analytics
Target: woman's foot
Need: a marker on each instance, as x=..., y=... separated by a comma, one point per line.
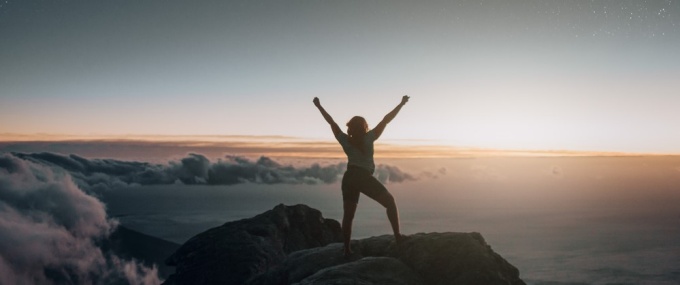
x=401, y=238
x=348, y=252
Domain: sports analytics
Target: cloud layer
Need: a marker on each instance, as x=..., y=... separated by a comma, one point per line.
x=197, y=169
x=49, y=229
x=50, y=225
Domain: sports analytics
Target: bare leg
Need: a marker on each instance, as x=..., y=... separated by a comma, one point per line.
x=390, y=205
x=349, y=209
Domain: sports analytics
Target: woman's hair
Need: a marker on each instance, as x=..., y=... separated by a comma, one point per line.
x=357, y=129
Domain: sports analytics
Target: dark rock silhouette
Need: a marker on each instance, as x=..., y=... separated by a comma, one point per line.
x=295, y=245
x=239, y=250
x=432, y=258
x=368, y=270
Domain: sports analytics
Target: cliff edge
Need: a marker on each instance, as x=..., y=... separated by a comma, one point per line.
x=296, y=245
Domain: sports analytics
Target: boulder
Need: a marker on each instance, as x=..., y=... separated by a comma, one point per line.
x=295, y=245
x=455, y=258
x=432, y=258
x=236, y=251
x=366, y=271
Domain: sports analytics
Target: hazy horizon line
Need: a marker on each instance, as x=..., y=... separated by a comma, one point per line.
x=290, y=146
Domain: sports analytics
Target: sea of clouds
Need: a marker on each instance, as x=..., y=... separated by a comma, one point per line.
x=50, y=228
x=97, y=174
x=51, y=220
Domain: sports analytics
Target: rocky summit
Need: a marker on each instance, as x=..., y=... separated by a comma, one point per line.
x=296, y=245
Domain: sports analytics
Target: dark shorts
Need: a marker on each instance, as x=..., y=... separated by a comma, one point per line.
x=358, y=180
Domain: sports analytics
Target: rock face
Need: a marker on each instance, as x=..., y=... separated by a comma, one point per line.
x=432, y=258
x=237, y=251
x=311, y=258
x=368, y=270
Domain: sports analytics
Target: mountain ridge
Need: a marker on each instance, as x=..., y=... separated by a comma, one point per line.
x=296, y=245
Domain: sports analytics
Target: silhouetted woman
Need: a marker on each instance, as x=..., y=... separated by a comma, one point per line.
x=358, y=145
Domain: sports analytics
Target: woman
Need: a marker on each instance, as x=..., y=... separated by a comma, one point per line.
x=358, y=145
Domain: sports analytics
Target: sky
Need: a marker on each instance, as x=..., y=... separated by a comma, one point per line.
x=547, y=75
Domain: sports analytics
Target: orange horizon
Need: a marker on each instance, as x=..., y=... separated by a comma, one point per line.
x=288, y=146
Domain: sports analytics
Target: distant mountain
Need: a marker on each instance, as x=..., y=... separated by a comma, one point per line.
x=296, y=245
x=129, y=244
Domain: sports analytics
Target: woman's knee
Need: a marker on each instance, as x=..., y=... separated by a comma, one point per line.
x=387, y=200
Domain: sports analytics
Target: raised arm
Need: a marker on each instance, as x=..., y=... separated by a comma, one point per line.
x=389, y=117
x=334, y=127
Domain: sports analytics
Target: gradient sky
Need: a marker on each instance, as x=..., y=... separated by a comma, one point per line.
x=575, y=75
